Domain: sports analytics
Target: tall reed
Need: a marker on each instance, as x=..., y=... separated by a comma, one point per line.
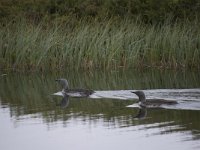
x=110, y=44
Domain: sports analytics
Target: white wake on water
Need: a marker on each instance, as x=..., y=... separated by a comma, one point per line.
x=186, y=98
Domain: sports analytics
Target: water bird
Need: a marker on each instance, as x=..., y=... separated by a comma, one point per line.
x=143, y=102
x=73, y=92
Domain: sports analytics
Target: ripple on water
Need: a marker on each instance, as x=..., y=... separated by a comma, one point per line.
x=188, y=99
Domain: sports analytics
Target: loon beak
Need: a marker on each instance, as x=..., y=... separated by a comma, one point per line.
x=57, y=80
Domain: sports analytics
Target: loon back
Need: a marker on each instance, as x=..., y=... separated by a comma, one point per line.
x=78, y=92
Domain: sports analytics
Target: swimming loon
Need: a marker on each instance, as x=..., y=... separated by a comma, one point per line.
x=152, y=102
x=73, y=92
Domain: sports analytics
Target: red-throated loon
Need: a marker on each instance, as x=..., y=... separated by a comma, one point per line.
x=73, y=92
x=152, y=102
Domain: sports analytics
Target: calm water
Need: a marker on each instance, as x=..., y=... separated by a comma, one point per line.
x=32, y=118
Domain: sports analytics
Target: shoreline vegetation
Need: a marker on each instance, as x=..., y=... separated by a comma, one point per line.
x=58, y=37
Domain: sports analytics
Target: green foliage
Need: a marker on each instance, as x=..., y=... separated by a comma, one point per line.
x=91, y=44
x=149, y=10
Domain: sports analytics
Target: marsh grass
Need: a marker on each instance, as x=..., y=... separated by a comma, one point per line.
x=87, y=44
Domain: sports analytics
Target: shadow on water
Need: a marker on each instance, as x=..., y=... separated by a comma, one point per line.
x=30, y=94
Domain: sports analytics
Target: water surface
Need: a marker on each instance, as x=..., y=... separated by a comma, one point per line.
x=32, y=118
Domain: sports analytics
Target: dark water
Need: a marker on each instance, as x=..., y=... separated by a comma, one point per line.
x=32, y=118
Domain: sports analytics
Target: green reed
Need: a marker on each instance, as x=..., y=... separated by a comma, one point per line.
x=92, y=44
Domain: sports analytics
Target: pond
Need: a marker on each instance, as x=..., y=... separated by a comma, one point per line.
x=33, y=117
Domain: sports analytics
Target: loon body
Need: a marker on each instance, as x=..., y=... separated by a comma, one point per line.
x=73, y=92
x=152, y=102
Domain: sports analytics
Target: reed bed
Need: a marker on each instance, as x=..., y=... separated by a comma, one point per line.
x=110, y=44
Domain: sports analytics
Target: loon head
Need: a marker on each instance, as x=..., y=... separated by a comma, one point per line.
x=141, y=96
x=63, y=83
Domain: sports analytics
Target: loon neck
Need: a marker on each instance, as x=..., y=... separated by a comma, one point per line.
x=142, y=99
x=65, y=85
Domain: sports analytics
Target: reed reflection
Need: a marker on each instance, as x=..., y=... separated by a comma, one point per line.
x=30, y=94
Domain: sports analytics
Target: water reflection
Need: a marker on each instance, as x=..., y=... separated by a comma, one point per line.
x=28, y=96
x=142, y=113
x=64, y=103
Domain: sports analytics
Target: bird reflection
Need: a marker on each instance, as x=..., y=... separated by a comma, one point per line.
x=141, y=114
x=64, y=103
